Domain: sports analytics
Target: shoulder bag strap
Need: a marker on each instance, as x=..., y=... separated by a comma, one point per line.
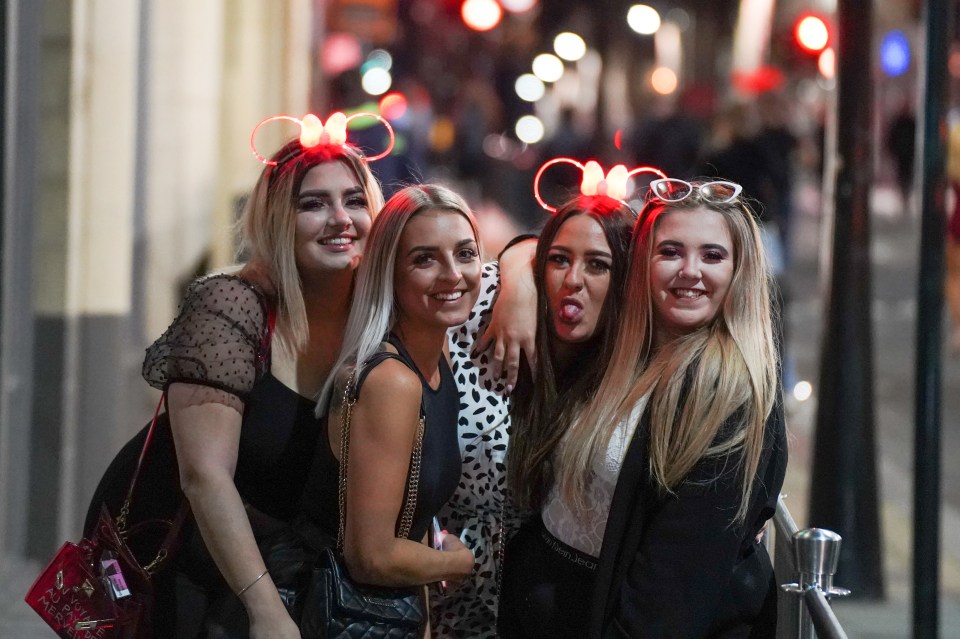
x=173, y=532
x=413, y=482
x=125, y=509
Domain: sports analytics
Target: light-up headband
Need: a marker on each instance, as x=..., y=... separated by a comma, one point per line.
x=613, y=185
x=314, y=133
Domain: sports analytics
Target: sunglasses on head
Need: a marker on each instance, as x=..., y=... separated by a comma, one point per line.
x=676, y=190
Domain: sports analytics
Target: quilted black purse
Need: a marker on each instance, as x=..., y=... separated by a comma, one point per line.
x=334, y=605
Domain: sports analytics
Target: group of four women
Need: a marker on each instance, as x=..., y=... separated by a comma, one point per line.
x=646, y=448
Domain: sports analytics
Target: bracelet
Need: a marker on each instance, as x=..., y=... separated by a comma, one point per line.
x=247, y=587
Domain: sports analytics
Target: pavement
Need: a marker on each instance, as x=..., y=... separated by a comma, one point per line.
x=895, y=251
x=895, y=254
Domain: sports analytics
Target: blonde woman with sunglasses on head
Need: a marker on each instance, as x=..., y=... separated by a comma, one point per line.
x=682, y=450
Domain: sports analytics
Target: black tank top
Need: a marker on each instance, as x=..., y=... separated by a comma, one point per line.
x=440, y=463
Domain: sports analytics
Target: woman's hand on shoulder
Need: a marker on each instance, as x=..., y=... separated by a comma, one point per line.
x=513, y=320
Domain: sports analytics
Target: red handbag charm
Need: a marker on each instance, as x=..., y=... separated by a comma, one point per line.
x=96, y=588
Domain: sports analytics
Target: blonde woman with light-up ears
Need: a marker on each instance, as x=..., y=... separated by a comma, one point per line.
x=241, y=365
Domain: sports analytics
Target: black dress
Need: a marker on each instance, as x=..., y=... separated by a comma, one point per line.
x=220, y=339
x=440, y=464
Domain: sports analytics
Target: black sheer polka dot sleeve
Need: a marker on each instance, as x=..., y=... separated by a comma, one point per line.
x=218, y=339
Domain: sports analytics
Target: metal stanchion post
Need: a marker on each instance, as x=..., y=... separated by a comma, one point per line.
x=816, y=552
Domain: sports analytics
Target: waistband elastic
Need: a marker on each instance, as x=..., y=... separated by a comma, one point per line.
x=569, y=553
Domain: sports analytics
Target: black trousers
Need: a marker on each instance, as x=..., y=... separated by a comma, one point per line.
x=547, y=587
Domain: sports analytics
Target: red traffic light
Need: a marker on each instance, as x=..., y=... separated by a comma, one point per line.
x=811, y=33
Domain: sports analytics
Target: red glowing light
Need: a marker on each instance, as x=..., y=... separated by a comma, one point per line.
x=618, y=139
x=393, y=105
x=761, y=80
x=341, y=52
x=594, y=182
x=811, y=34
x=314, y=132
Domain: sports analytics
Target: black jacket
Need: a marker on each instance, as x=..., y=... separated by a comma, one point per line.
x=673, y=566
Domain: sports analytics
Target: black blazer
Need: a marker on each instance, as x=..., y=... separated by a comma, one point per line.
x=673, y=566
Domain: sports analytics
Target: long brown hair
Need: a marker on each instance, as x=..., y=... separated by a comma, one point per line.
x=546, y=398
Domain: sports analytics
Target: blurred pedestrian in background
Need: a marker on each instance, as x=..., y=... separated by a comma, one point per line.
x=668, y=138
x=900, y=143
x=953, y=241
x=779, y=144
x=741, y=153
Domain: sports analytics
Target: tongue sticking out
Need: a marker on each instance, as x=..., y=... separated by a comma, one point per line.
x=570, y=313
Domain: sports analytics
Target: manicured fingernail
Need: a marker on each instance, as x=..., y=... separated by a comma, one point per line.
x=509, y=388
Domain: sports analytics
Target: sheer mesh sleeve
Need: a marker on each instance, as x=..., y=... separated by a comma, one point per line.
x=217, y=340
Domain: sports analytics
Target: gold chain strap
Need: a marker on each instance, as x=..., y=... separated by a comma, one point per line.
x=345, y=410
x=498, y=556
x=406, y=518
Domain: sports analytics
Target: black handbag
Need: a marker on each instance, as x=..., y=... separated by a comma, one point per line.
x=335, y=606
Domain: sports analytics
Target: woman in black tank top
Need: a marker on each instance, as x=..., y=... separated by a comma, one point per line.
x=420, y=276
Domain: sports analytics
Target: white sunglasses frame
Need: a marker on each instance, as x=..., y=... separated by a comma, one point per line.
x=697, y=188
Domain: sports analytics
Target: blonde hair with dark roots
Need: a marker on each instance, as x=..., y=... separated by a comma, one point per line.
x=692, y=385
x=373, y=310
x=268, y=224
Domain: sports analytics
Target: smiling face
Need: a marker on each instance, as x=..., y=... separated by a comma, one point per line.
x=691, y=267
x=577, y=278
x=333, y=220
x=437, y=272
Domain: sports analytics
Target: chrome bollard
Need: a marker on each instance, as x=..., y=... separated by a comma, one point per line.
x=816, y=553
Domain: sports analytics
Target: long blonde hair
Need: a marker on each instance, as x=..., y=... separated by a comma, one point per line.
x=724, y=373
x=373, y=310
x=268, y=225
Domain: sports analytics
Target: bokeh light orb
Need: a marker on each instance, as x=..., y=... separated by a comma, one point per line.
x=518, y=6
x=664, y=80
x=643, y=19
x=827, y=63
x=529, y=87
x=379, y=58
x=548, y=67
x=802, y=391
x=393, y=106
x=341, y=52
x=895, y=53
x=953, y=64
x=481, y=15
x=376, y=81
x=812, y=34
x=529, y=129
x=569, y=46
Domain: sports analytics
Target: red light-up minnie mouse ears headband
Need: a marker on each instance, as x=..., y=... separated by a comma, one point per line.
x=314, y=132
x=613, y=184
